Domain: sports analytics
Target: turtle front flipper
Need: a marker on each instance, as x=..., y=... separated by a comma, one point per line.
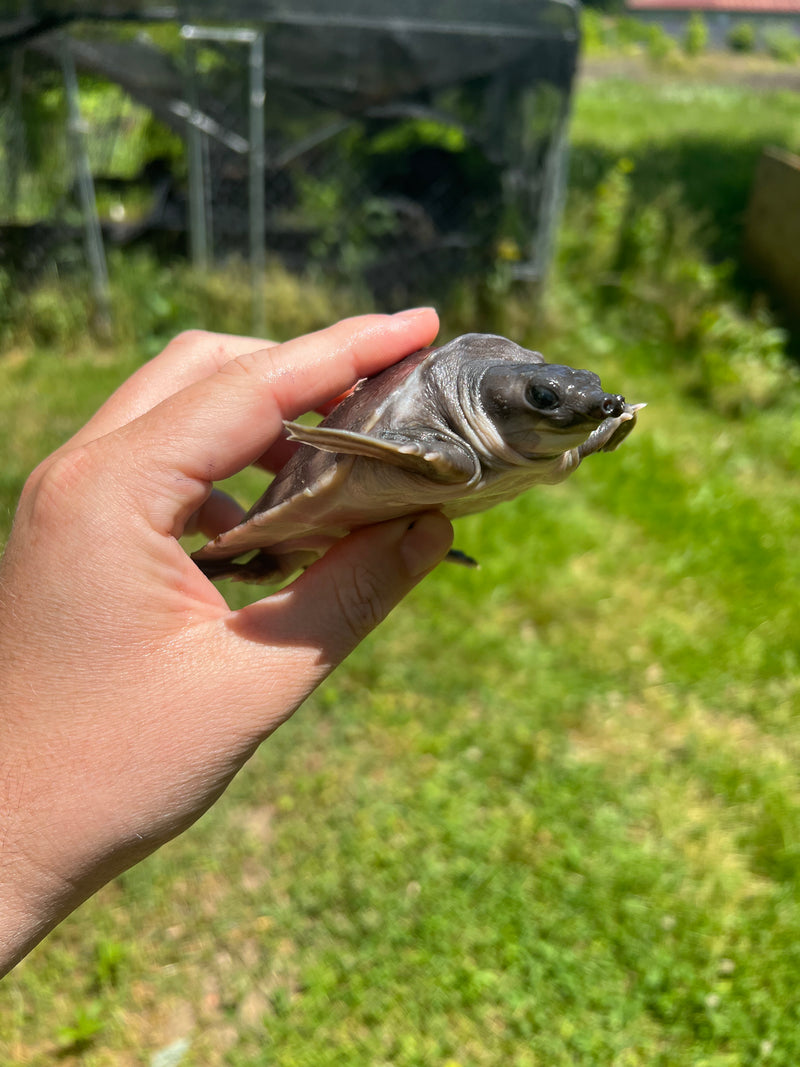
x=433, y=456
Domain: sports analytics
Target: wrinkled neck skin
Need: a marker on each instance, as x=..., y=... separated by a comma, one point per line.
x=454, y=405
x=469, y=421
x=494, y=453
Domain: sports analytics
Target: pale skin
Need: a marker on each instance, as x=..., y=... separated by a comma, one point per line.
x=130, y=694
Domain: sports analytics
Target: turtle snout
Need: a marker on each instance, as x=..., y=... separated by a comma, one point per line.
x=610, y=406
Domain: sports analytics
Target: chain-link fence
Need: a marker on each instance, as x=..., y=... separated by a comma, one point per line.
x=397, y=152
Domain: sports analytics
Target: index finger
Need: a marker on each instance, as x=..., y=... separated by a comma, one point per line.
x=222, y=423
x=192, y=355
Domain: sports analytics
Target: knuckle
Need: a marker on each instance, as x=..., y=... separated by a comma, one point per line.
x=54, y=486
x=249, y=365
x=190, y=338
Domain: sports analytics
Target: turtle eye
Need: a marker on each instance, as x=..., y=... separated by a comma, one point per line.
x=542, y=397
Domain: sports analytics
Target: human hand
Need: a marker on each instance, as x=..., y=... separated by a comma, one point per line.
x=130, y=694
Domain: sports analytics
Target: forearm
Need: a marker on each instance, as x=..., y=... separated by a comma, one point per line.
x=22, y=926
x=55, y=850
x=52, y=857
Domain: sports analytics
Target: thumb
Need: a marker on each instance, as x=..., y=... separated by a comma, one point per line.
x=355, y=588
x=332, y=607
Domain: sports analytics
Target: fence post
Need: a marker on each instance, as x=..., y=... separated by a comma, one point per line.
x=198, y=210
x=15, y=138
x=554, y=186
x=257, y=163
x=95, y=252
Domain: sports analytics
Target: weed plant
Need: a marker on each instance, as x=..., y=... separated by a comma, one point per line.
x=152, y=302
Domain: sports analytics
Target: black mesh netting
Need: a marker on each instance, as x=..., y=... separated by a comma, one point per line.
x=403, y=145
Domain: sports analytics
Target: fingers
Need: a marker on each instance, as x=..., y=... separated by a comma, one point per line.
x=283, y=449
x=189, y=357
x=218, y=513
x=224, y=422
x=319, y=619
x=277, y=454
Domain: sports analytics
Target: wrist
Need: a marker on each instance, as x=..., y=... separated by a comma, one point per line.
x=28, y=894
x=21, y=926
x=37, y=889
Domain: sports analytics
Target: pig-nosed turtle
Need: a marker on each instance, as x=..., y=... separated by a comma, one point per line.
x=455, y=429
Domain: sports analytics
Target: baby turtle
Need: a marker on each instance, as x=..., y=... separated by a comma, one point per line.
x=455, y=429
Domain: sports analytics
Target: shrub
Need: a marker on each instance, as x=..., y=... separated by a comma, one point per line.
x=152, y=302
x=742, y=37
x=695, y=40
x=631, y=33
x=660, y=45
x=55, y=314
x=595, y=32
x=645, y=264
x=742, y=365
x=782, y=43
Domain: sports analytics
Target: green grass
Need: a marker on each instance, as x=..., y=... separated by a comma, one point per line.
x=547, y=815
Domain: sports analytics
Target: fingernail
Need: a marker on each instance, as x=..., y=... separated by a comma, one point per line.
x=425, y=543
x=412, y=313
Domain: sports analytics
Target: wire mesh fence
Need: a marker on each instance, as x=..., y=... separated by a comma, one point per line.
x=394, y=154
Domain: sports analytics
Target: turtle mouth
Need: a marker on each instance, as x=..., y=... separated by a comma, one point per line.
x=589, y=425
x=589, y=435
x=593, y=414
x=612, y=431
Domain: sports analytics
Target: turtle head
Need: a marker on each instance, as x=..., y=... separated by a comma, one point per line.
x=544, y=409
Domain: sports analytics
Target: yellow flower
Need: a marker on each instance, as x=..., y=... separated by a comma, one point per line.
x=508, y=249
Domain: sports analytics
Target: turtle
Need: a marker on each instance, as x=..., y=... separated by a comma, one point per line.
x=456, y=428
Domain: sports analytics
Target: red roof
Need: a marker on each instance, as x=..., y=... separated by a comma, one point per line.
x=755, y=7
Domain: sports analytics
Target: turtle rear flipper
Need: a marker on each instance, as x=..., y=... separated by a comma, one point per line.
x=264, y=568
x=268, y=568
x=455, y=555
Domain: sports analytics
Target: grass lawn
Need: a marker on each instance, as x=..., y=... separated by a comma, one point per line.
x=549, y=813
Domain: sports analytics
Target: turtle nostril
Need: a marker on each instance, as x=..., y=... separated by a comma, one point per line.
x=612, y=406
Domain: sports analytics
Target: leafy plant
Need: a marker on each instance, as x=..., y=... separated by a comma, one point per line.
x=695, y=39
x=110, y=957
x=80, y=1033
x=742, y=360
x=596, y=32
x=742, y=37
x=782, y=43
x=648, y=261
x=152, y=302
